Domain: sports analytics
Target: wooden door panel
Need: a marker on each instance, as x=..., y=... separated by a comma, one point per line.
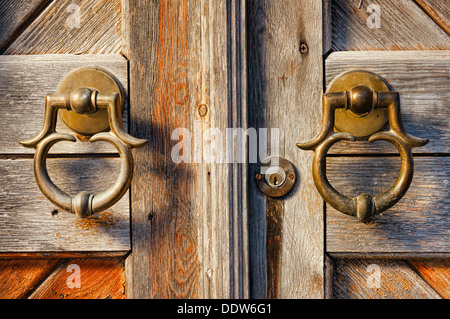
x=415, y=33
x=417, y=225
x=25, y=82
x=379, y=279
x=53, y=278
x=15, y=16
x=18, y=277
x=30, y=223
x=403, y=26
x=56, y=29
x=421, y=77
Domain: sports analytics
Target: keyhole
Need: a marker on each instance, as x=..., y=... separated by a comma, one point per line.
x=275, y=176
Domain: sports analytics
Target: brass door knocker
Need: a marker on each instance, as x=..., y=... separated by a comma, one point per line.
x=357, y=105
x=90, y=101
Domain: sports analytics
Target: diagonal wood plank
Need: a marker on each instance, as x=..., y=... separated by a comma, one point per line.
x=18, y=277
x=77, y=26
x=403, y=26
x=436, y=273
x=438, y=10
x=15, y=16
x=100, y=278
x=378, y=279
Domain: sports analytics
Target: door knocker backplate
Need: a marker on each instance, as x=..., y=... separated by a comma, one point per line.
x=90, y=102
x=357, y=105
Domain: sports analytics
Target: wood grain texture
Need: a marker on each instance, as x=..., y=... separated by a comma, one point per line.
x=165, y=259
x=359, y=279
x=18, y=277
x=403, y=26
x=437, y=10
x=418, y=223
x=15, y=16
x=99, y=279
x=56, y=29
x=189, y=220
x=24, y=84
x=422, y=78
x=30, y=223
x=285, y=88
x=436, y=273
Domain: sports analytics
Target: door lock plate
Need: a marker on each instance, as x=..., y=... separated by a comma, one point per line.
x=275, y=176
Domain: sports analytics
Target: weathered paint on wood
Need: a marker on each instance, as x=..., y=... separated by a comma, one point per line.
x=285, y=87
x=379, y=279
x=418, y=223
x=30, y=223
x=99, y=279
x=73, y=27
x=422, y=78
x=24, y=84
x=402, y=26
x=189, y=220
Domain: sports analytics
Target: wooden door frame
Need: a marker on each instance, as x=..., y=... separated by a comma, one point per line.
x=198, y=230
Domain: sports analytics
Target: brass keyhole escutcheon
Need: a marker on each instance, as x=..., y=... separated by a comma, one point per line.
x=275, y=176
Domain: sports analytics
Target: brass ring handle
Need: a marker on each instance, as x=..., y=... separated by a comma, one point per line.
x=362, y=100
x=83, y=101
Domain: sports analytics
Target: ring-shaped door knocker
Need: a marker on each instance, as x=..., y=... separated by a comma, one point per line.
x=101, y=94
x=356, y=95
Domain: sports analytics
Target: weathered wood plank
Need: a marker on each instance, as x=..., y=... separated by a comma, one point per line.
x=217, y=65
x=421, y=77
x=30, y=223
x=189, y=219
x=19, y=277
x=437, y=10
x=436, y=273
x=100, y=278
x=24, y=84
x=418, y=223
x=402, y=26
x=164, y=227
x=378, y=279
x=285, y=87
x=76, y=26
x=15, y=16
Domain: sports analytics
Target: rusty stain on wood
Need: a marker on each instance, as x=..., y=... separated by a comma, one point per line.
x=274, y=239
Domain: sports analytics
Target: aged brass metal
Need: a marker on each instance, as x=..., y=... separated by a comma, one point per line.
x=275, y=176
x=99, y=80
x=362, y=101
x=84, y=101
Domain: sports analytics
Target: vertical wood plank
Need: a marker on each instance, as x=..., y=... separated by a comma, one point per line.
x=189, y=218
x=285, y=87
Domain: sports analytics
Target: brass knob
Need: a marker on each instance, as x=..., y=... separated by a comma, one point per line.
x=84, y=100
x=360, y=101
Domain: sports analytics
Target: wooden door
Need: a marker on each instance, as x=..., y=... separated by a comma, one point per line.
x=405, y=253
x=180, y=232
x=309, y=250
x=198, y=227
